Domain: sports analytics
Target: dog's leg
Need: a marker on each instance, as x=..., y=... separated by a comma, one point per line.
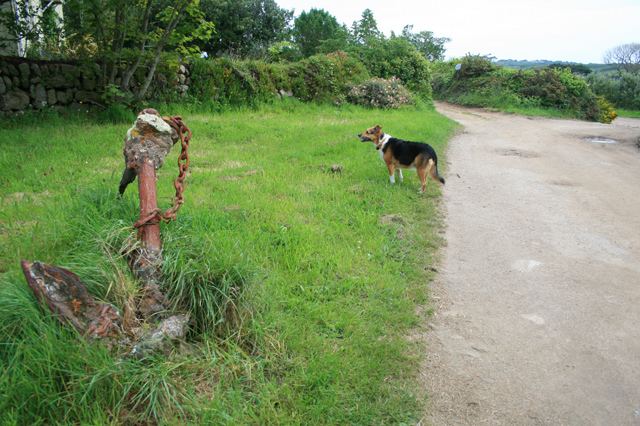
x=422, y=174
x=427, y=170
x=400, y=177
x=392, y=170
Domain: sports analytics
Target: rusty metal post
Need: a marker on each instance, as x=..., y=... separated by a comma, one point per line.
x=146, y=145
x=149, y=232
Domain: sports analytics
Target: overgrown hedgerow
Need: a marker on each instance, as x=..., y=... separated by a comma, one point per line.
x=319, y=78
x=478, y=82
x=325, y=78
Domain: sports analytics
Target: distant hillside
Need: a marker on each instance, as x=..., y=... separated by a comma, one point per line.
x=541, y=63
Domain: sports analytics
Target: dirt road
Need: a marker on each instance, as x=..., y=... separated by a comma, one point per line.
x=538, y=301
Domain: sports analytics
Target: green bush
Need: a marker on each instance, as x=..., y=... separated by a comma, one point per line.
x=474, y=66
x=397, y=57
x=606, y=111
x=225, y=81
x=620, y=88
x=479, y=82
x=441, y=77
x=326, y=78
x=380, y=93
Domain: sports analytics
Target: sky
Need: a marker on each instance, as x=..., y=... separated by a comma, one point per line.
x=567, y=30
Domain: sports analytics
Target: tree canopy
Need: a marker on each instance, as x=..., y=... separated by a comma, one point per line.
x=625, y=56
x=430, y=46
x=245, y=27
x=318, y=31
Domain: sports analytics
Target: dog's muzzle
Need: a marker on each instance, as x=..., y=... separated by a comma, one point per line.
x=364, y=138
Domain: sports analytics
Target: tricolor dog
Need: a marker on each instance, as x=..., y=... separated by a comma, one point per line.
x=399, y=154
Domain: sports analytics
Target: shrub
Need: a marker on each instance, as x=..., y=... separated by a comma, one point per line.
x=397, y=57
x=621, y=88
x=326, y=77
x=474, y=66
x=283, y=51
x=479, y=82
x=225, y=81
x=441, y=77
x=380, y=93
x=606, y=111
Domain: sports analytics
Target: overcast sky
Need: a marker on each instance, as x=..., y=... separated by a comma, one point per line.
x=569, y=30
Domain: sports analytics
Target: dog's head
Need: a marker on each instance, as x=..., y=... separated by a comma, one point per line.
x=372, y=134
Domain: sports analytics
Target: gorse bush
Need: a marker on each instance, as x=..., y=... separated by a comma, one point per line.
x=606, y=111
x=479, y=82
x=380, y=93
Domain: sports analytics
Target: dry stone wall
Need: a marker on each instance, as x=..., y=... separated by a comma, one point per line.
x=35, y=84
x=27, y=84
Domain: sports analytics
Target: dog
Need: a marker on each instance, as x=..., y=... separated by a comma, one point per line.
x=399, y=154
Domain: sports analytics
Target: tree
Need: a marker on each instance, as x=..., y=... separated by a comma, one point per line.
x=366, y=29
x=396, y=57
x=430, y=46
x=29, y=26
x=245, y=27
x=625, y=56
x=129, y=36
x=318, y=31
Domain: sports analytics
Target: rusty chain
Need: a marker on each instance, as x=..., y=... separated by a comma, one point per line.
x=156, y=216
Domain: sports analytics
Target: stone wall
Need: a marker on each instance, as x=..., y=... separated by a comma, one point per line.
x=35, y=84
x=29, y=84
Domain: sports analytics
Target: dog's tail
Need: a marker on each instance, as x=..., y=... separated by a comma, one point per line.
x=437, y=175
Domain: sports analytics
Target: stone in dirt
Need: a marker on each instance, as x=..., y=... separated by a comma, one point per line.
x=162, y=337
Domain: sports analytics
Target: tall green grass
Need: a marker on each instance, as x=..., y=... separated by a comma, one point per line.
x=300, y=299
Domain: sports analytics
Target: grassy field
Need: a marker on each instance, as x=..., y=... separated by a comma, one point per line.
x=301, y=299
x=630, y=113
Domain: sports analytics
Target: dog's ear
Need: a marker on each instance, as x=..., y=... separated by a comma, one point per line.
x=377, y=128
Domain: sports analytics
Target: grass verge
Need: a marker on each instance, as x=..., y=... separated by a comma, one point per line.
x=629, y=113
x=301, y=297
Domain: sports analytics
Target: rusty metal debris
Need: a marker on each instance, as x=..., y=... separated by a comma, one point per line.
x=68, y=298
x=146, y=145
